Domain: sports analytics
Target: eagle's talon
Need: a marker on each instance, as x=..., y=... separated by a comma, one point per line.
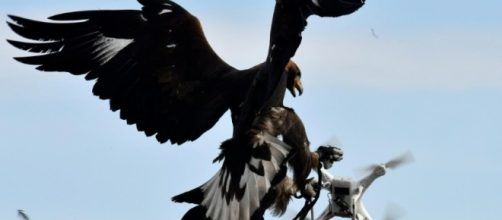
x=329, y=154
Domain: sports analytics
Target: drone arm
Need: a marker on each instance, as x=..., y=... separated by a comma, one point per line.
x=360, y=212
x=327, y=178
x=367, y=181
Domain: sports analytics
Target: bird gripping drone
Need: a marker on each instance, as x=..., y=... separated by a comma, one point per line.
x=157, y=69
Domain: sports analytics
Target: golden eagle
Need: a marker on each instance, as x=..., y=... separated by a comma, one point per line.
x=157, y=68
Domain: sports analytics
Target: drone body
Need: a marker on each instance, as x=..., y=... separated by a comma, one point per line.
x=346, y=194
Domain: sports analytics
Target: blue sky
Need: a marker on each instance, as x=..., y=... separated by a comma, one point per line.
x=430, y=83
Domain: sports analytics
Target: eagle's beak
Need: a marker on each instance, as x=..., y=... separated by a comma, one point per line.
x=297, y=85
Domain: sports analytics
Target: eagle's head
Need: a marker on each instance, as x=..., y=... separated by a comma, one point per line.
x=294, y=78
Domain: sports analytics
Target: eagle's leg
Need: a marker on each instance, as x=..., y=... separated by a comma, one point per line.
x=286, y=189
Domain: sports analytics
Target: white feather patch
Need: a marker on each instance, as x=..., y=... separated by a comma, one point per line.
x=165, y=11
x=316, y=3
x=109, y=47
x=255, y=186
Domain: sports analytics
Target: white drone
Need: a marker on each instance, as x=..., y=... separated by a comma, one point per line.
x=346, y=194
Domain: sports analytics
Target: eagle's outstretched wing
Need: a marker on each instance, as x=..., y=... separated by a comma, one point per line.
x=154, y=65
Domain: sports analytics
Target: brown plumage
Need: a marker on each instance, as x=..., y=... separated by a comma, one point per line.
x=302, y=165
x=324, y=156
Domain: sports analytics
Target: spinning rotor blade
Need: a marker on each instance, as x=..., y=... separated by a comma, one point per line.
x=333, y=141
x=392, y=164
x=399, y=161
x=366, y=169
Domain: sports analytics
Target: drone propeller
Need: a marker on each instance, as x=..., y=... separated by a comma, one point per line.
x=392, y=164
x=333, y=141
x=399, y=161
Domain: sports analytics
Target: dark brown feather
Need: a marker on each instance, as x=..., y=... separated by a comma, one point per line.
x=166, y=79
